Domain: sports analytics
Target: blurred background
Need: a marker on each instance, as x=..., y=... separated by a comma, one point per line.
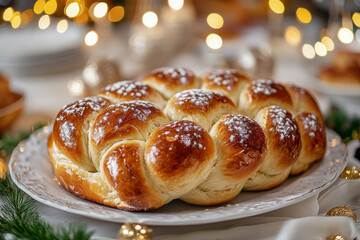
x=54, y=51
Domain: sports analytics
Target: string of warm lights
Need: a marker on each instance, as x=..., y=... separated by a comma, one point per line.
x=80, y=12
x=294, y=36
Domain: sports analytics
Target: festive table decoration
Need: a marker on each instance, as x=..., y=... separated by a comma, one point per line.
x=350, y=173
x=19, y=217
x=335, y=237
x=342, y=211
x=134, y=231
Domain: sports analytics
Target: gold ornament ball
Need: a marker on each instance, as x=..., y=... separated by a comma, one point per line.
x=342, y=211
x=350, y=173
x=134, y=231
x=335, y=237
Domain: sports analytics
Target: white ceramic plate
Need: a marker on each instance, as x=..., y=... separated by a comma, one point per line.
x=30, y=169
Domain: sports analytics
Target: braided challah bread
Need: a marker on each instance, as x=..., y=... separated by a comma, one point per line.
x=138, y=145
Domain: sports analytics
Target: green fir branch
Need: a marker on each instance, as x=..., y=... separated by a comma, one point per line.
x=20, y=218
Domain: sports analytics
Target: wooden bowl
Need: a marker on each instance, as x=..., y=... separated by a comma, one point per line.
x=11, y=111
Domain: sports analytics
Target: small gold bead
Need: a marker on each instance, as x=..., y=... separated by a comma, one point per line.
x=335, y=237
x=342, y=211
x=350, y=173
x=134, y=231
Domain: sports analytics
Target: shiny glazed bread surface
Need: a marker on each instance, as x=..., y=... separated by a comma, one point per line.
x=139, y=145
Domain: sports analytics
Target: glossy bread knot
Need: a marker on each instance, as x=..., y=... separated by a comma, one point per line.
x=139, y=145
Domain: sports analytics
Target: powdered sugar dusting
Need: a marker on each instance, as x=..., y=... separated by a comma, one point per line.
x=69, y=117
x=177, y=75
x=225, y=78
x=199, y=98
x=136, y=90
x=80, y=107
x=264, y=86
x=283, y=123
x=311, y=124
x=239, y=128
x=187, y=133
x=66, y=131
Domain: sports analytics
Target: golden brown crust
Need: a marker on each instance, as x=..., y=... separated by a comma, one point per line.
x=133, y=120
x=124, y=170
x=303, y=100
x=230, y=82
x=170, y=80
x=70, y=128
x=282, y=134
x=262, y=93
x=131, y=90
x=312, y=131
x=243, y=141
x=178, y=150
x=204, y=107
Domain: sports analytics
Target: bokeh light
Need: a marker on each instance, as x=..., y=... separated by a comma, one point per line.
x=16, y=20
x=176, y=4
x=293, y=35
x=116, y=14
x=329, y=43
x=356, y=19
x=39, y=6
x=44, y=22
x=72, y=10
x=91, y=38
x=50, y=7
x=215, y=20
x=150, y=19
x=214, y=41
x=62, y=26
x=345, y=35
x=276, y=6
x=100, y=10
x=8, y=14
x=320, y=49
x=303, y=15
x=308, y=51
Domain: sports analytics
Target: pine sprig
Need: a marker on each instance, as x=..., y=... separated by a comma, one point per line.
x=348, y=128
x=20, y=218
x=9, y=141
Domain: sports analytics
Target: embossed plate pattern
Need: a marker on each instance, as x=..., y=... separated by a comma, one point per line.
x=31, y=170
